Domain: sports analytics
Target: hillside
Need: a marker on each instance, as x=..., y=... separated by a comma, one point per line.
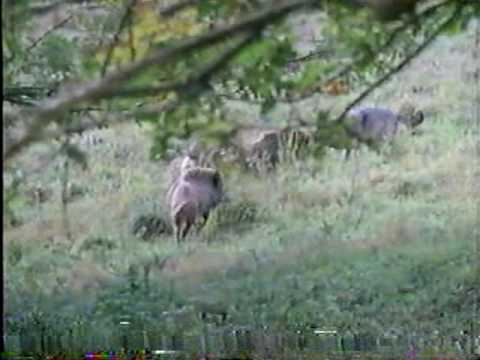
x=384, y=245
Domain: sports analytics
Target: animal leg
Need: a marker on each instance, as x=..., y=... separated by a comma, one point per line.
x=177, y=234
x=354, y=148
x=347, y=154
x=379, y=148
x=205, y=219
x=188, y=225
x=199, y=225
x=179, y=223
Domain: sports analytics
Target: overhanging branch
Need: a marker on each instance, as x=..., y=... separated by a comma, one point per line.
x=109, y=86
x=171, y=10
x=403, y=63
x=48, y=32
x=116, y=37
x=364, y=57
x=42, y=9
x=202, y=76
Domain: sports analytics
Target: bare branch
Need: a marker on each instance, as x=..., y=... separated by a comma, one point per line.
x=41, y=9
x=229, y=53
x=171, y=10
x=123, y=22
x=108, y=86
x=310, y=56
x=364, y=57
x=403, y=63
x=131, y=43
x=24, y=90
x=64, y=198
x=201, y=76
x=48, y=32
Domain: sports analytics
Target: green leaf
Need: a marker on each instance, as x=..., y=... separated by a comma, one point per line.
x=253, y=53
x=454, y=27
x=267, y=104
x=57, y=52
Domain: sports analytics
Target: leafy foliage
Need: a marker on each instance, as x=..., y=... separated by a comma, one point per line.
x=186, y=121
x=261, y=71
x=11, y=197
x=149, y=31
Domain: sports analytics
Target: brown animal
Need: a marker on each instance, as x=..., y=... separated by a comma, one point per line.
x=280, y=144
x=177, y=167
x=264, y=155
x=295, y=143
x=193, y=195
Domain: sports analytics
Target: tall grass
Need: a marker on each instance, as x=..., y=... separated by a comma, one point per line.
x=383, y=243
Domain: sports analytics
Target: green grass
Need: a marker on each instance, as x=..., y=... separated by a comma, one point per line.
x=384, y=243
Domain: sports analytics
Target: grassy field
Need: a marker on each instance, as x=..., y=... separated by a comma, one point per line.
x=383, y=244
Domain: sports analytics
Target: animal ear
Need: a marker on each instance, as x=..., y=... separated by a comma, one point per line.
x=194, y=149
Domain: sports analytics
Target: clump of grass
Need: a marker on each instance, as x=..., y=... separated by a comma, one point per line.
x=237, y=212
x=14, y=253
x=149, y=216
x=76, y=191
x=97, y=242
x=148, y=226
x=411, y=187
x=237, y=215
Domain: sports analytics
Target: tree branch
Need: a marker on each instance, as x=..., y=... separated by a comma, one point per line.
x=123, y=22
x=202, y=76
x=403, y=63
x=18, y=101
x=311, y=55
x=171, y=10
x=108, y=86
x=39, y=10
x=364, y=57
x=293, y=98
x=48, y=32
